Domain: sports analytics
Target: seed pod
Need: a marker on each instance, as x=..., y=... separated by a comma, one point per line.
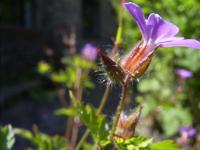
x=113, y=70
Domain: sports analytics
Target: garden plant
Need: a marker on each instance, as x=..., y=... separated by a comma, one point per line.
x=163, y=76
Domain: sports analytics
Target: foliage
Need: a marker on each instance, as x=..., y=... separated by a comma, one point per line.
x=143, y=143
x=135, y=143
x=67, y=76
x=7, y=138
x=167, y=144
x=43, y=141
x=88, y=115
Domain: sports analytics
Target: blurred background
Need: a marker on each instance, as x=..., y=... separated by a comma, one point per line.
x=35, y=36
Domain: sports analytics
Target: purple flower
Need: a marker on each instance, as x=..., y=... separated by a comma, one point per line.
x=156, y=32
x=187, y=131
x=183, y=73
x=89, y=52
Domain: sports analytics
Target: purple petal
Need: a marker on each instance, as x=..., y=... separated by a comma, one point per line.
x=191, y=43
x=183, y=73
x=170, y=39
x=138, y=15
x=161, y=29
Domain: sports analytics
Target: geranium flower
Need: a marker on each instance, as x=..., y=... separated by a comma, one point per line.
x=183, y=73
x=186, y=133
x=89, y=52
x=156, y=32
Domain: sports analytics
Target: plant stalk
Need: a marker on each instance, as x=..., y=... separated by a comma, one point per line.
x=75, y=124
x=120, y=107
x=99, y=111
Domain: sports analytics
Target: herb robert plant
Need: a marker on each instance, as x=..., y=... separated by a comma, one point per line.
x=156, y=32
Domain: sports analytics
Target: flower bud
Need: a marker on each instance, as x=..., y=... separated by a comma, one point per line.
x=127, y=124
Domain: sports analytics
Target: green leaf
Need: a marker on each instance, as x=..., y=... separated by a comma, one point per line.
x=43, y=141
x=134, y=143
x=80, y=62
x=95, y=123
x=165, y=145
x=175, y=116
x=43, y=67
x=24, y=133
x=87, y=146
x=70, y=111
x=7, y=138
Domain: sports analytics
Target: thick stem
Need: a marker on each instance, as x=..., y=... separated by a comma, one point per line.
x=120, y=107
x=99, y=111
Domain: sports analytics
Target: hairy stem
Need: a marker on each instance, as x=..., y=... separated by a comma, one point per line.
x=120, y=107
x=99, y=111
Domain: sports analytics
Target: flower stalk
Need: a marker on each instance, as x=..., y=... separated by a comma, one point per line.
x=120, y=106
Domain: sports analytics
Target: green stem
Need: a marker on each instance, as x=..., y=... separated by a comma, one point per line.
x=119, y=108
x=74, y=125
x=99, y=111
x=104, y=99
x=83, y=138
x=118, y=37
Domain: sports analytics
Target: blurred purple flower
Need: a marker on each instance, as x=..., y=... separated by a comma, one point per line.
x=183, y=73
x=89, y=51
x=187, y=131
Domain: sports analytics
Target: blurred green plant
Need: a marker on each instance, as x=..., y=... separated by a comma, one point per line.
x=68, y=75
x=43, y=141
x=96, y=123
x=7, y=138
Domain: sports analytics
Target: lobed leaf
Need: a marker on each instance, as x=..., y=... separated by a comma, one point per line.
x=165, y=145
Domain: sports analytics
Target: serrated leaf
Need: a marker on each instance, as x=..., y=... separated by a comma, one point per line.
x=135, y=143
x=95, y=123
x=165, y=145
x=7, y=138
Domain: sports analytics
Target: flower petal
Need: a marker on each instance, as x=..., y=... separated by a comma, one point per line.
x=138, y=15
x=191, y=43
x=161, y=29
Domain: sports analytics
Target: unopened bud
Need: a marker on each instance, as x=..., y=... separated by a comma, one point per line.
x=127, y=124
